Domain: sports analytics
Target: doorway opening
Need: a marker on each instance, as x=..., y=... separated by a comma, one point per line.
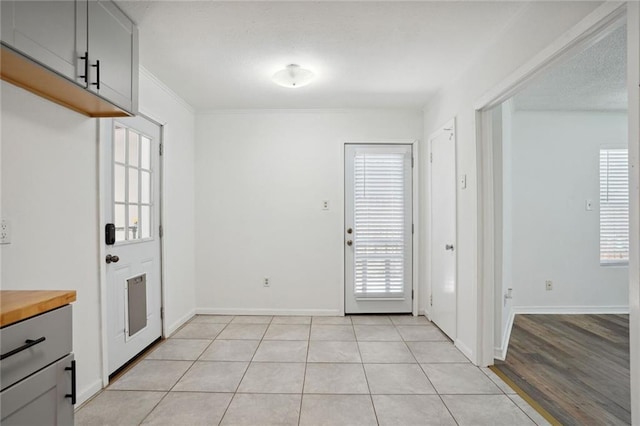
x=555, y=240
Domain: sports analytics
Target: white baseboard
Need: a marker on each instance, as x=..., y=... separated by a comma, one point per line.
x=88, y=392
x=288, y=312
x=171, y=328
x=571, y=310
x=500, y=353
x=465, y=350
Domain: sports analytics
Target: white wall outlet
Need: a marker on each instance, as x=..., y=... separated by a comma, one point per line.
x=5, y=232
x=463, y=181
x=325, y=205
x=266, y=282
x=548, y=285
x=588, y=205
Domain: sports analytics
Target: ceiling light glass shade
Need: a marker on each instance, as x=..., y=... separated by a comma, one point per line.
x=293, y=76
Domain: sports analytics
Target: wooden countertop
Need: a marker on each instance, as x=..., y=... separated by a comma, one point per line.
x=17, y=305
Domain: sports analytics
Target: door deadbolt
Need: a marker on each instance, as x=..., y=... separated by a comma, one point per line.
x=350, y=231
x=112, y=259
x=349, y=242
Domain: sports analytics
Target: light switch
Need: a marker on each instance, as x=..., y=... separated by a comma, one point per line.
x=588, y=205
x=463, y=181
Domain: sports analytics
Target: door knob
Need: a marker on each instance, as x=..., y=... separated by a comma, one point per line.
x=448, y=247
x=112, y=259
x=349, y=242
x=350, y=231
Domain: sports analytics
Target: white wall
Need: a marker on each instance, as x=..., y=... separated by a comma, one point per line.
x=261, y=177
x=49, y=192
x=521, y=40
x=555, y=169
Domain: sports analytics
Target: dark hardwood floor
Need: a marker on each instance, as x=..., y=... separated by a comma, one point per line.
x=575, y=366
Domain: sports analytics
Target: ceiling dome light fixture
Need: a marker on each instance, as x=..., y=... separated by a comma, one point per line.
x=293, y=76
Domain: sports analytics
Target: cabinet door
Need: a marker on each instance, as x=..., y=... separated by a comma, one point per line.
x=52, y=33
x=40, y=399
x=113, y=41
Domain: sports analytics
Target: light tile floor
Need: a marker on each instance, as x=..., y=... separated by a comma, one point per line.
x=261, y=370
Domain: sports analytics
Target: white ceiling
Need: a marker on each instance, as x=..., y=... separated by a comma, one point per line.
x=221, y=55
x=591, y=80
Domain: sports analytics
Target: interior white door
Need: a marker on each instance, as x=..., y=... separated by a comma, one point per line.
x=131, y=171
x=443, y=230
x=378, y=228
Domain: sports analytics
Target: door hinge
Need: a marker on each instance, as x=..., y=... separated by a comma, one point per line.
x=161, y=231
x=431, y=157
x=411, y=294
x=160, y=148
x=412, y=161
x=431, y=300
x=161, y=313
x=413, y=228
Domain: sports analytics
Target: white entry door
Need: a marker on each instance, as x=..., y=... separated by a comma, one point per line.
x=378, y=228
x=131, y=172
x=443, y=230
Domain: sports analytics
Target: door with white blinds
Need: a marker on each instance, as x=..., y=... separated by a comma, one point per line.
x=378, y=228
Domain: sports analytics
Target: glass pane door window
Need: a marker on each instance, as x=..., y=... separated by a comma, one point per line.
x=132, y=184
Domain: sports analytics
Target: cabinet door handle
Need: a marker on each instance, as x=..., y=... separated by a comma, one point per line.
x=97, y=67
x=85, y=58
x=27, y=344
x=72, y=395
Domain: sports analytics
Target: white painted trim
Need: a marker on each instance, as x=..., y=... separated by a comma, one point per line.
x=464, y=349
x=283, y=312
x=582, y=33
x=170, y=329
x=501, y=352
x=633, y=84
x=166, y=89
x=88, y=392
x=303, y=111
x=570, y=310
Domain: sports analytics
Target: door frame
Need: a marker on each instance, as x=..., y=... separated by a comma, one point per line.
x=579, y=36
x=414, y=212
x=102, y=251
x=429, y=217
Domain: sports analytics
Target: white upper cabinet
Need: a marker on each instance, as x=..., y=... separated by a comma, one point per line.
x=113, y=40
x=49, y=32
x=89, y=42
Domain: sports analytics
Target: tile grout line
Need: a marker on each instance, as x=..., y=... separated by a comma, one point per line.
x=245, y=372
x=373, y=405
x=185, y=372
x=304, y=376
x=432, y=385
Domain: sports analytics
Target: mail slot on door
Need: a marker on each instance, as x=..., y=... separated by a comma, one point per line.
x=137, y=303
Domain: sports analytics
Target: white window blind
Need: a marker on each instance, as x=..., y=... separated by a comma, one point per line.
x=614, y=206
x=379, y=224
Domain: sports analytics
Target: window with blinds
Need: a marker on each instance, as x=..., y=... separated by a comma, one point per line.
x=379, y=224
x=614, y=206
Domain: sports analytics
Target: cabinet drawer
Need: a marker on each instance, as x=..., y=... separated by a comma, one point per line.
x=41, y=399
x=53, y=329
